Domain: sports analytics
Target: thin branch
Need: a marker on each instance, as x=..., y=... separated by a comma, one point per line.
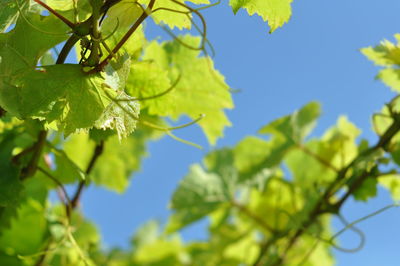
x=37, y=149
x=69, y=44
x=59, y=184
x=96, y=154
x=55, y=13
x=134, y=27
x=173, y=86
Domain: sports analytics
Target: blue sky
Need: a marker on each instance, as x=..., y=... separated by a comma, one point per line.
x=314, y=57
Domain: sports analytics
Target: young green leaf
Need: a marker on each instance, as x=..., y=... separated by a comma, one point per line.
x=200, y=89
x=276, y=12
x=199, y=194
x=387, y=55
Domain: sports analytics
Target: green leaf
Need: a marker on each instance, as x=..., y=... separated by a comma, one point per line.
x=147, y=80
x=168, y=252
x=386, y=54
x=10, y=185
x=200, y=90
x=342, y=147
x=17, y=53
x=86, y=233
x=276, y=12
x=197, y=195
x=126, y=12
x=47, y=59
x=295, y=127
x=60, y=4
x=368, y=189
x=220, y=162
x=84, y=97
x=250, y=152
x=391, y=183
x=317, y=162
x=66, y=170
x=9, y=12
x=121, y=115
x=146, y=234
x=310, y=168
x=269, y=205
x=391, y=78
x=15, y=240
x=244, y=250
x=170, y=13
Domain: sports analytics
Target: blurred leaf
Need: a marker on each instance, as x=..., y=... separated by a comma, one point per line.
x=367, y=190
x=295, y=127
x=197, y=195
x=391, y=183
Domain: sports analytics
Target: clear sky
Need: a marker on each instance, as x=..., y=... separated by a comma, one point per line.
x=314, y=57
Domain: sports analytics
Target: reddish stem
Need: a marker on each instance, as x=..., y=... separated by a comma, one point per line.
x=55, y=13
x=139, y=21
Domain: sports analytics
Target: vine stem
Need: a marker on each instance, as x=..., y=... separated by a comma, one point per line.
x=96, y=154
x=134, y=27
x=55, y=13
x=37, y=148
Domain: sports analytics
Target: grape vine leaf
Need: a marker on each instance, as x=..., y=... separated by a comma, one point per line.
x=199, y=88
x=34, y=93
x=197, y=195
x=278, y=196
x=171, y=13
x=121, y=115
x=318, y=160
x=387, y=54
x=295, y=127
x=9, y=12
x=276, y=12
x=146, y=234
x=391, y=183
x=163, y=251
x=16, y=240
x=367, y=190
x=17, y=53
x=126, y=12
x=66, y=170
x=249, y=152
x=10, y=186
x=286, y=133
x=14, y=137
